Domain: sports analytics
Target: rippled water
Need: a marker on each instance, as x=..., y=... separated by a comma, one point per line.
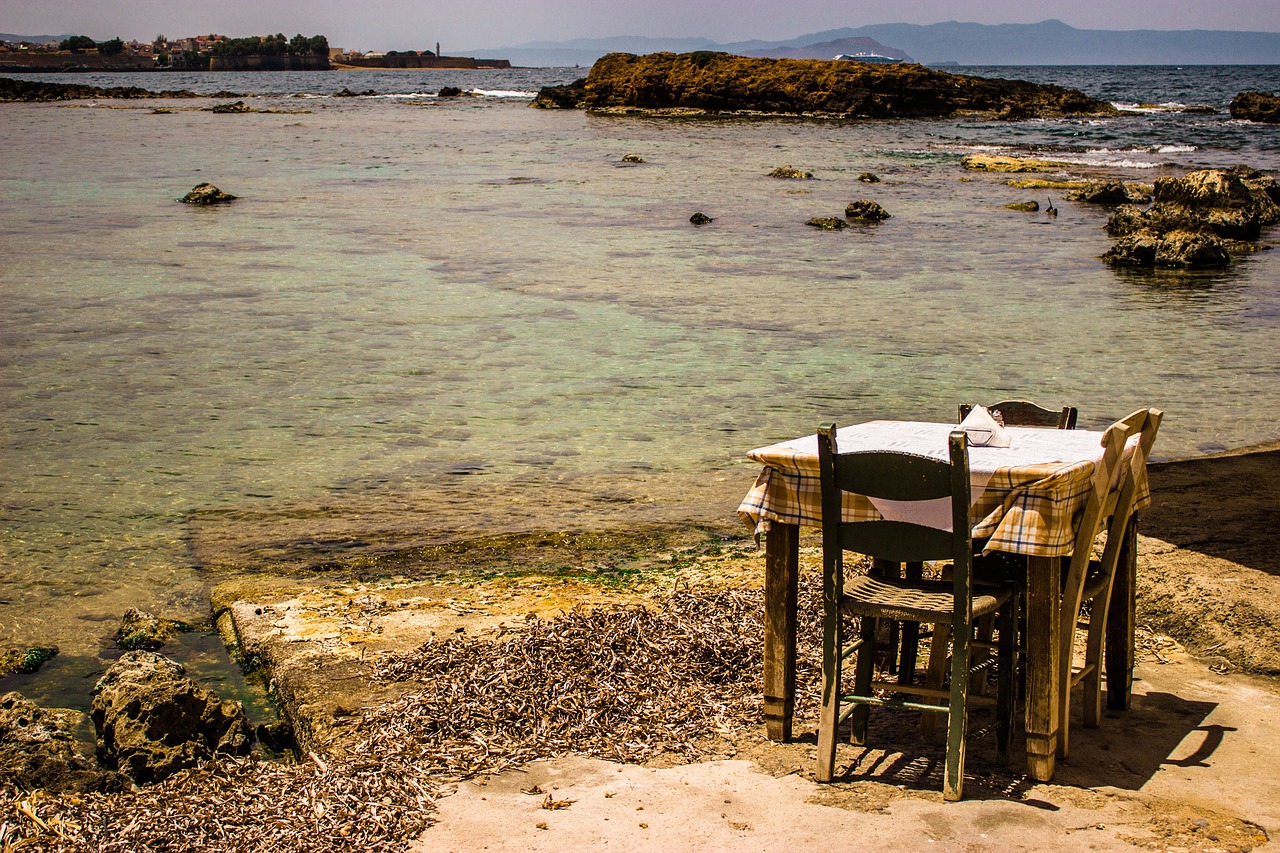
x=429, y=318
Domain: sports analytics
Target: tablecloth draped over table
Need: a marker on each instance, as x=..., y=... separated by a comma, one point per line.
x=1020, y=505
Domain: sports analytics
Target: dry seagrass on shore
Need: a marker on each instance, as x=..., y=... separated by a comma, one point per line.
x=626, y=683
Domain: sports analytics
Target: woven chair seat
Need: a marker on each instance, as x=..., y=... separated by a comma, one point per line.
x=915, y=601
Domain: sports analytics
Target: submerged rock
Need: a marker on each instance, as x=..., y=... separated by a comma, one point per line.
x=25, y=661
x=152, y=720
x=1001, y=163
x=1103, y=192
x=206, y=194
x=1256, y=106
x=866, y=210
x=38, y=751
x=791, y=173
x=827, y=223
x=1026, y=206
x=347, y=93
x=140, y=630
x=713, y=82
x=869, y=178
x=236, y=107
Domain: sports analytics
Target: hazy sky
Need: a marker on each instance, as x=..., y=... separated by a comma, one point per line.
x=462, y=24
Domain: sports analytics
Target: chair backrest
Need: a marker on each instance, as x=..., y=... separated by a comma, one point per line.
x=895, y=476
x=1027, y=414
x=1148, y=423
x=1113, y=492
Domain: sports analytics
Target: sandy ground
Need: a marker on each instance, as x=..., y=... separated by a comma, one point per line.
x=1190, y=767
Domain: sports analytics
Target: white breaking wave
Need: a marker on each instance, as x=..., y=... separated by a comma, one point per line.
x=503, y=93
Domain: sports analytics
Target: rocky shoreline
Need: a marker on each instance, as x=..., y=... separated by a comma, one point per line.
x=397, y=688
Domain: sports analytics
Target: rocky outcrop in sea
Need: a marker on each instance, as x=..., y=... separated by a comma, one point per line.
x=712, y=82
x=1256, y=106
x=1195, y=221
x=34, y=90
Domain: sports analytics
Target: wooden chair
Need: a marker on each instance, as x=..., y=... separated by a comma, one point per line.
x=1024, y=413
x=904, y=477
x=1089, y=580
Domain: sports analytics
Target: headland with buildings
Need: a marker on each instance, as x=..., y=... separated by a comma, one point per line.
x=217, y=53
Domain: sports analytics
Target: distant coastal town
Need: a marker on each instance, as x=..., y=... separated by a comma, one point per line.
x=217, y=53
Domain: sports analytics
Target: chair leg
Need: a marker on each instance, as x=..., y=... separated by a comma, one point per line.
x=828, y=721
x=864, y=669
x=1007, y=682
x=936, y=675
x=1092, y=699
x=957, y=716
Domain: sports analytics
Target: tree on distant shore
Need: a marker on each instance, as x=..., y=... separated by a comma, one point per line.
x=77, y=43
x=273, y=45
x=111, y=47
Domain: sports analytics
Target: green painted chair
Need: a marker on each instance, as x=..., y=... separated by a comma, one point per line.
x=1028, y=414
x=899, y=476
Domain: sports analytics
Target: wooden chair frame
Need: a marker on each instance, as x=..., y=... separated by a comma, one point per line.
x=904, y=477
x=1110, y=506
x=1026, y=413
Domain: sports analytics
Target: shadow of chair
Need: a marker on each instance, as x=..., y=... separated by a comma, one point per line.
x=908, y=479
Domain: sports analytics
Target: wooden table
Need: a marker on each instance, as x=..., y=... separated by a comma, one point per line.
x=1025, y=507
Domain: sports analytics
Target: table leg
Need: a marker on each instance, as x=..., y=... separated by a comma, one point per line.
x=1044, y=593
x=1120, y=622
x=781, y=583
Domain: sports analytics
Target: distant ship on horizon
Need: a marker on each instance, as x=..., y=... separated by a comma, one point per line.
x=868, y=57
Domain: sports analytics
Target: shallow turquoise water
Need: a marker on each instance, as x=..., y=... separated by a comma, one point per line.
x=423, y=320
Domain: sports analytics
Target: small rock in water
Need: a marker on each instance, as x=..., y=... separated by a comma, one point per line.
x=206, y=194
x=237, y=107
x=632, y=158
x=449, y=92
x=700, y=218
x=1028, y=206
x=791, y=173
x=866, y=210
x=869, y=178
x=827, y=223
x=139, y=630
x=25, y=661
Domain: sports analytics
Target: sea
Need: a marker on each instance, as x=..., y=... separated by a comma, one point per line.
x=429, y=319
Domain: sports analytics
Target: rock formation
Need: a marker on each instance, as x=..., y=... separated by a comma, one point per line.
x=866, y=210
x=206, y=194
x=25, y=660
x=140, y=630
x=38, y=751
x=700, y=218
x=711, y=82
x=1256, y=106
x=827, y=223
x=791, y=173
x=34, y=90
x=152, y=720
x=568, y=97
x=1194, y=220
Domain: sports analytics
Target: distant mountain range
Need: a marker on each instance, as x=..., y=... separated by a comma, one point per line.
x=1046, y=43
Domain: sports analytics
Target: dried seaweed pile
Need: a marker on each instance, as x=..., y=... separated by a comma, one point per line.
x=624, y=683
